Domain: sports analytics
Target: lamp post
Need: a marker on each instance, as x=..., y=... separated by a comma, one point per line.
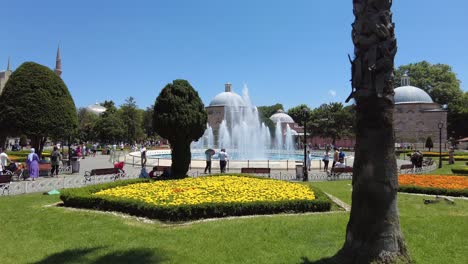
x=440, y=125
x=305, y=112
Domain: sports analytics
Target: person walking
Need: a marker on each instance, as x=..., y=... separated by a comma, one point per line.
x=3, y=160
x=326, y=159
x=33, y=164
x=55, y=158
x=336, y=157
x=308, y=160
x=208, y=153
x=223, y=157
x=341, y=156
x=143, y=155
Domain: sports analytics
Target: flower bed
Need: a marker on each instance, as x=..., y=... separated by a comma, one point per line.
x=434, y=184
x=195, y=198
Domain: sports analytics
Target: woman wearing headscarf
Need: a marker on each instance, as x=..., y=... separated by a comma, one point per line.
x=33, y=164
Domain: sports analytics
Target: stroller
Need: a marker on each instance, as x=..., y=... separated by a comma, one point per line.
x=15, y=170
x=121, y=173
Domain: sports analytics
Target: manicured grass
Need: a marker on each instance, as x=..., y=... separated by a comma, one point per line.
x=446, y=168
x=32, y=233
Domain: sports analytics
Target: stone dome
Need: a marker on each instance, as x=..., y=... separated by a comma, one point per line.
x=96, y=109
x=282, y=117
x=227, y=99
x=411, y=94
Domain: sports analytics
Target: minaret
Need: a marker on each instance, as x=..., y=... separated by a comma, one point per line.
x=58, y=63
x=9, y=64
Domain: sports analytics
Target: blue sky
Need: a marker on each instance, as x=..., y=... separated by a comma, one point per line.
x=288, y=52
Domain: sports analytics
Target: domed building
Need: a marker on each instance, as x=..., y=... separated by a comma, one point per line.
x=223, y=103
x=96, y=109
x=285, y=120
x=417, y=116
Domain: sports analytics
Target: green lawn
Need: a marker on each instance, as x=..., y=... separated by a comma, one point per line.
x=446, y=168
x=32, y=233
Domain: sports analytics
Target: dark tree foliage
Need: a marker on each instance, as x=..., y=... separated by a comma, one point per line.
x=148, y=122
x=132, y=119
x=441, y=83
x=109, y=128
x=180, y=117
x=438, y=80
x=37, y=103
x=297, y=113
x=86, y=122
x=334, y=121
x=265, y=112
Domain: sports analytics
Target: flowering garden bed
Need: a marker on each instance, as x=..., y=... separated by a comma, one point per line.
x=196, y=198
x=434, y=184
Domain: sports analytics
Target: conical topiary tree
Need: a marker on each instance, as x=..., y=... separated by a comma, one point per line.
x=179, y=116
x=37, y=103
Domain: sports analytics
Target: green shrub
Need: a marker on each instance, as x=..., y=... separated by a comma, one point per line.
x=457, y=158
x=83, y=198
x=434, y=191
x=460, y=170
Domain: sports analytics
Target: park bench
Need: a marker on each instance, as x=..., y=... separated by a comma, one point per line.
x=335, y=173
x=256, y=171
x=44, y=169
x=406, y=168
x=5, y=181
x=115, y=172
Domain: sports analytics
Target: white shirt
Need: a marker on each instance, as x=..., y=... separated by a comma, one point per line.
x=340, y=165
x=222, y=155
x=3, y=158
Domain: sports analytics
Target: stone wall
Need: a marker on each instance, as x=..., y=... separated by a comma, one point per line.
x=414, y=122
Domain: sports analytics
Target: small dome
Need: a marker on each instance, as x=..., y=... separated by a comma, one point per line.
x=282, y=117
x=411, y=94
x=227, y=99
x=96, y=108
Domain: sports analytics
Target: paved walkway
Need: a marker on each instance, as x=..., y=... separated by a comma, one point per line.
x=45, y=184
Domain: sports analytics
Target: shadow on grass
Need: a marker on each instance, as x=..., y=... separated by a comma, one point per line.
x=328, y=260
x=141, y=255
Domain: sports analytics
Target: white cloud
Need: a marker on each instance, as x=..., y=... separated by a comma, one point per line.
x=332, y=93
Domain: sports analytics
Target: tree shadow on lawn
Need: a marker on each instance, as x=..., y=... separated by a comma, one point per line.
x=328, y=260
x=140, y=255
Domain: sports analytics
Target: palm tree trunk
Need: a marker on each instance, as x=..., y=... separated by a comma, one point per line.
x=373, y=231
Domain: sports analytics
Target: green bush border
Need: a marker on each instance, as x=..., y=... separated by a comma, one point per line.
x=83, y=198
x=434, y=191
x=460, y=170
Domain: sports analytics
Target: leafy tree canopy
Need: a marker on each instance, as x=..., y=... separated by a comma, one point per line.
x=179, y=113
x=265, y=112
x=132, y=119
x=438, y=80
x=37, y=103
x=298, y=115
x=179, y=116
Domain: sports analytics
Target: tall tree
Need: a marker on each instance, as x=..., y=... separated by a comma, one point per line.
x=109, y=128
x=132, y=120
x=265, y=112
x=333, y=120
x=180, y=117
x=37, y=103
x=373, y=232
x=86, y=122
x=148, y=121
x=297, y=113
x=438, y=80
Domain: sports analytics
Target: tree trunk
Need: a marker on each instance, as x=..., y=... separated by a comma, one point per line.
x=373, y=231
x=181, y=157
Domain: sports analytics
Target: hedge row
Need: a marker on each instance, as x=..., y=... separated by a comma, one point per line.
x=434, y=191
x=460, y=170
x=83, y=198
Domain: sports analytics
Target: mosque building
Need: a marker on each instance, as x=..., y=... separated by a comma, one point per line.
x=222, y=105
x=416, y=116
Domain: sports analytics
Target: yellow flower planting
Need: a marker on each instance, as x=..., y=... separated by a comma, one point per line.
x=219, y=189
